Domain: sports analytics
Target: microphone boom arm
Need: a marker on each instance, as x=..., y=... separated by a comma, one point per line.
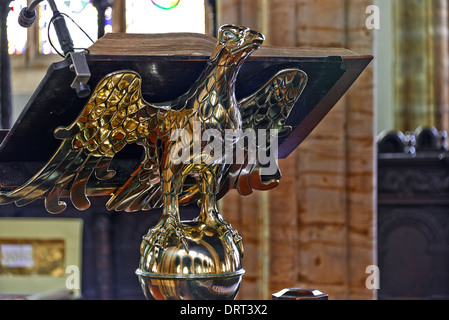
x=26, y=19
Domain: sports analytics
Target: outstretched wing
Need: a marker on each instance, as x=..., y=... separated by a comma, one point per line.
x=114, y=116
x=266, y=109
x=143, y=189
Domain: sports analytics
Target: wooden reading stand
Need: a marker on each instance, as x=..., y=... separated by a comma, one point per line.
x=168, y=65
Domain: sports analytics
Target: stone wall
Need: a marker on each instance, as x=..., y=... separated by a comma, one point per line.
x=317, y=229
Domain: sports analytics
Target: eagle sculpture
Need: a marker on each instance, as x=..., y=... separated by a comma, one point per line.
x=116, y=115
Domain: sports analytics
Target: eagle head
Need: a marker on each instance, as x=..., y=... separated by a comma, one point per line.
x=238, y=42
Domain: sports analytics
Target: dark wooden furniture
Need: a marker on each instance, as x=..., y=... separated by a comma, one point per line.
x=413, y=215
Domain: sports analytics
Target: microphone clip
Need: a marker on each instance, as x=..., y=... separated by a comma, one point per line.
x=82, y=74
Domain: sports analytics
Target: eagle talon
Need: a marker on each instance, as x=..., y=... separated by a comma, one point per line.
x=226, y=230
x=167, y=232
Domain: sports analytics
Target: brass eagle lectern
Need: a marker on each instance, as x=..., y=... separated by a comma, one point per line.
x=196, y=147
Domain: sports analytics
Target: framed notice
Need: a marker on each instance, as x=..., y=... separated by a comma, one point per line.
x=40, y=255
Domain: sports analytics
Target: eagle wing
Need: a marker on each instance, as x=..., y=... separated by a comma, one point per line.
x=266, y=109
x=114, y=116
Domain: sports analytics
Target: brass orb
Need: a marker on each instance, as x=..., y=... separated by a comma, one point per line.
x=208, y=268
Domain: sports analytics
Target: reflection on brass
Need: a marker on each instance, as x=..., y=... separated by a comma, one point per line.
x=116, y=115
x=32, y=257
x=209, y=269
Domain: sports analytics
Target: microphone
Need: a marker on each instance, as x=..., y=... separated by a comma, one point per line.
x=26, y=17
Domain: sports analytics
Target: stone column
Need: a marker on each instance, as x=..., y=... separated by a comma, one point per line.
x=414, y=65
x=421, y=64
x=101, y=6
x=5, y=68
x=441, y=62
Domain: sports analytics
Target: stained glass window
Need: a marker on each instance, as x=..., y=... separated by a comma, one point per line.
x=142, y=16
x=108, y=20
x=82, y=12
x=17, y=36
x=162, y=16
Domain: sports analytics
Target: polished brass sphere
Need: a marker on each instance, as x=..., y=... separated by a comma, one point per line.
x=209, y=267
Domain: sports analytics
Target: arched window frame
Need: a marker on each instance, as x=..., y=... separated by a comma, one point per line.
x=33, y=56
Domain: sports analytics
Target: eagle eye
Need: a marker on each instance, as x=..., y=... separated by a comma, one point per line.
x=229, y=35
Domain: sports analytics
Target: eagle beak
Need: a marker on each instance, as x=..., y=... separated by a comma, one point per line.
x=257, y=38
x=253, y=39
